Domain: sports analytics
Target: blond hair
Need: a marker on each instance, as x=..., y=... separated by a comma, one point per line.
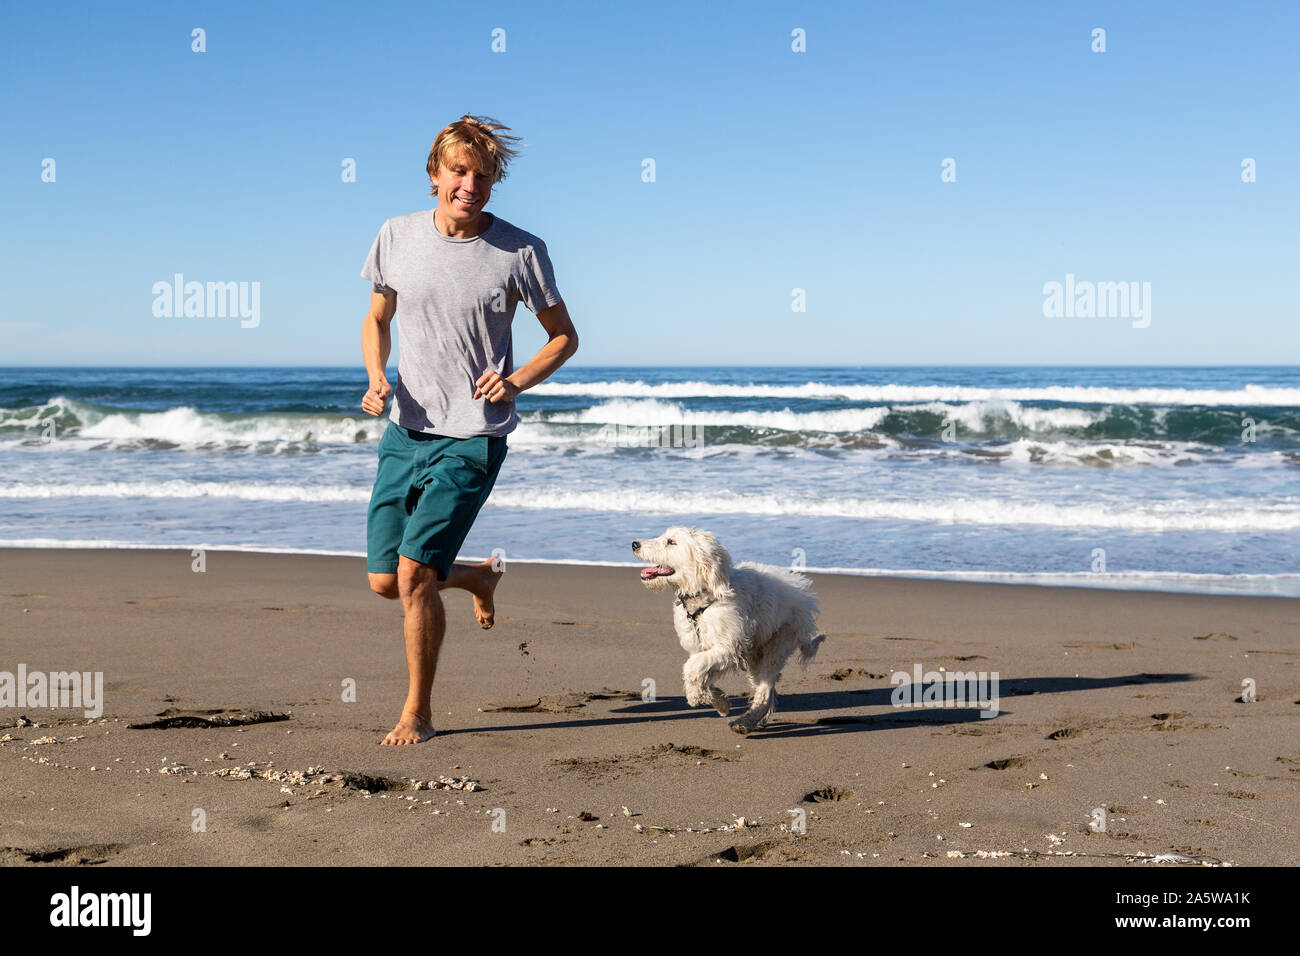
x=477, y=136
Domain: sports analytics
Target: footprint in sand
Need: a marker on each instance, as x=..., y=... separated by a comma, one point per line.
x=784, y=851
x=557, y=703
x=1166, y=721
x=85, y=855
x=1008, y=763
x=617, y=764
x=853, y=673
x=827, y=795
x=1067, y=733
x=226, y=717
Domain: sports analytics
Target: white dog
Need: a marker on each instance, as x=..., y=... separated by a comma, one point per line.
x=747, y=617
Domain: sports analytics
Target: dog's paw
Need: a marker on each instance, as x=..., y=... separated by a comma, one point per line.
x=697, y=695
x=720, y=702
x=740, y=727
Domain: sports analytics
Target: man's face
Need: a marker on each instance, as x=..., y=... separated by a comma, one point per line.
x=463, y=189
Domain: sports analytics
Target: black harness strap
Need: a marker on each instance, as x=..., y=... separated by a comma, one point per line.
x=693, y=615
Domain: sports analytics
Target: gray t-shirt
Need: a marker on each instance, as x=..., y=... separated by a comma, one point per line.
x=456, y=300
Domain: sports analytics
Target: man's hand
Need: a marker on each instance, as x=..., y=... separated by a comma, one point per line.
x=492, y=386
x=377, y=396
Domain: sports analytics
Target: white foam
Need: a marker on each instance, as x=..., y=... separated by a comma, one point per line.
x=101, y=544
x=180, y=488
x=1286, y=585
x=973, y=420
x=1248, y=395
x=1175, y=515
x=654, y=412
x=975, y=417
x=187, y=426
x=1027, y=450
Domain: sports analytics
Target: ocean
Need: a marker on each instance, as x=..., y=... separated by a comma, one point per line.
x=1176, y=479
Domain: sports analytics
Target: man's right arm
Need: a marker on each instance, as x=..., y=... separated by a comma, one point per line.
x=376, y=342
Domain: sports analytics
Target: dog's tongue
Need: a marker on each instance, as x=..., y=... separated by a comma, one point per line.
x=657, y=571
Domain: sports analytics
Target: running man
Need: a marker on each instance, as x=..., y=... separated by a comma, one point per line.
x=456, y=273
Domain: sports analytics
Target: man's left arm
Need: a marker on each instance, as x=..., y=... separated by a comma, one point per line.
x=563, y=342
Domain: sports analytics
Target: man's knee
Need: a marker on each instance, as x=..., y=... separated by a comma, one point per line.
x=416, y=581
x=385, y=585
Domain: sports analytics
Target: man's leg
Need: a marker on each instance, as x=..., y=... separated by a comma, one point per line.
x=424, y=624
x=454, y=478
x=479, y=580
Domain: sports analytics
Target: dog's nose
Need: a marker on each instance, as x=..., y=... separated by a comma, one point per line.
x=635, y=545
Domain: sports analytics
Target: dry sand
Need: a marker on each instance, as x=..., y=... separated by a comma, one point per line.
x=1127, y=701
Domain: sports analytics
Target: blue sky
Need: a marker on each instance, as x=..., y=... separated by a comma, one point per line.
x=775, y=170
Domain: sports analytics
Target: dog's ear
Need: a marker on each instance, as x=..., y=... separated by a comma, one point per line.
x=715, y=562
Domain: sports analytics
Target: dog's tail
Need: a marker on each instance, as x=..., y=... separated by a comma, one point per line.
x=809, y=650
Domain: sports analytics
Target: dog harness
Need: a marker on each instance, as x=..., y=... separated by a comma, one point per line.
x=696, y=613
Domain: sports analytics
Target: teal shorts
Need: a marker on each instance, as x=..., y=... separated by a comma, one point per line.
x=427, y=493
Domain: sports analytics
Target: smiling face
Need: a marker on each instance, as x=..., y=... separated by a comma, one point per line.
x=666, y=553
x=686, y=559
x=463, y=188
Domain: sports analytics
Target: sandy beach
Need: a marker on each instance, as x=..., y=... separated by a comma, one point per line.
x=547, y=752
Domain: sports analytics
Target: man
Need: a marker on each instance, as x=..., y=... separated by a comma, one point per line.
x=456, y=273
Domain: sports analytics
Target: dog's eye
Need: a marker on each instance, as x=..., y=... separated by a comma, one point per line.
x=671, y=541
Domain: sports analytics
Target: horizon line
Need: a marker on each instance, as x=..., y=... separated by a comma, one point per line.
x=1287, y=365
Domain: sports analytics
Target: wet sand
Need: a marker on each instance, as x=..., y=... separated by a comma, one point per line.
x=547, y=752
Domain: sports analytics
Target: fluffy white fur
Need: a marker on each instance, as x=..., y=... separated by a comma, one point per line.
x=748, y=618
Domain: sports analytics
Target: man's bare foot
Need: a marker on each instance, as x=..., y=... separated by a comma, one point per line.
x=411, y=729
x=484, y=583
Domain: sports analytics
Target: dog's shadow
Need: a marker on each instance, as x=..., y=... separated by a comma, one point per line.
x=675, y=708
x=916, y=715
